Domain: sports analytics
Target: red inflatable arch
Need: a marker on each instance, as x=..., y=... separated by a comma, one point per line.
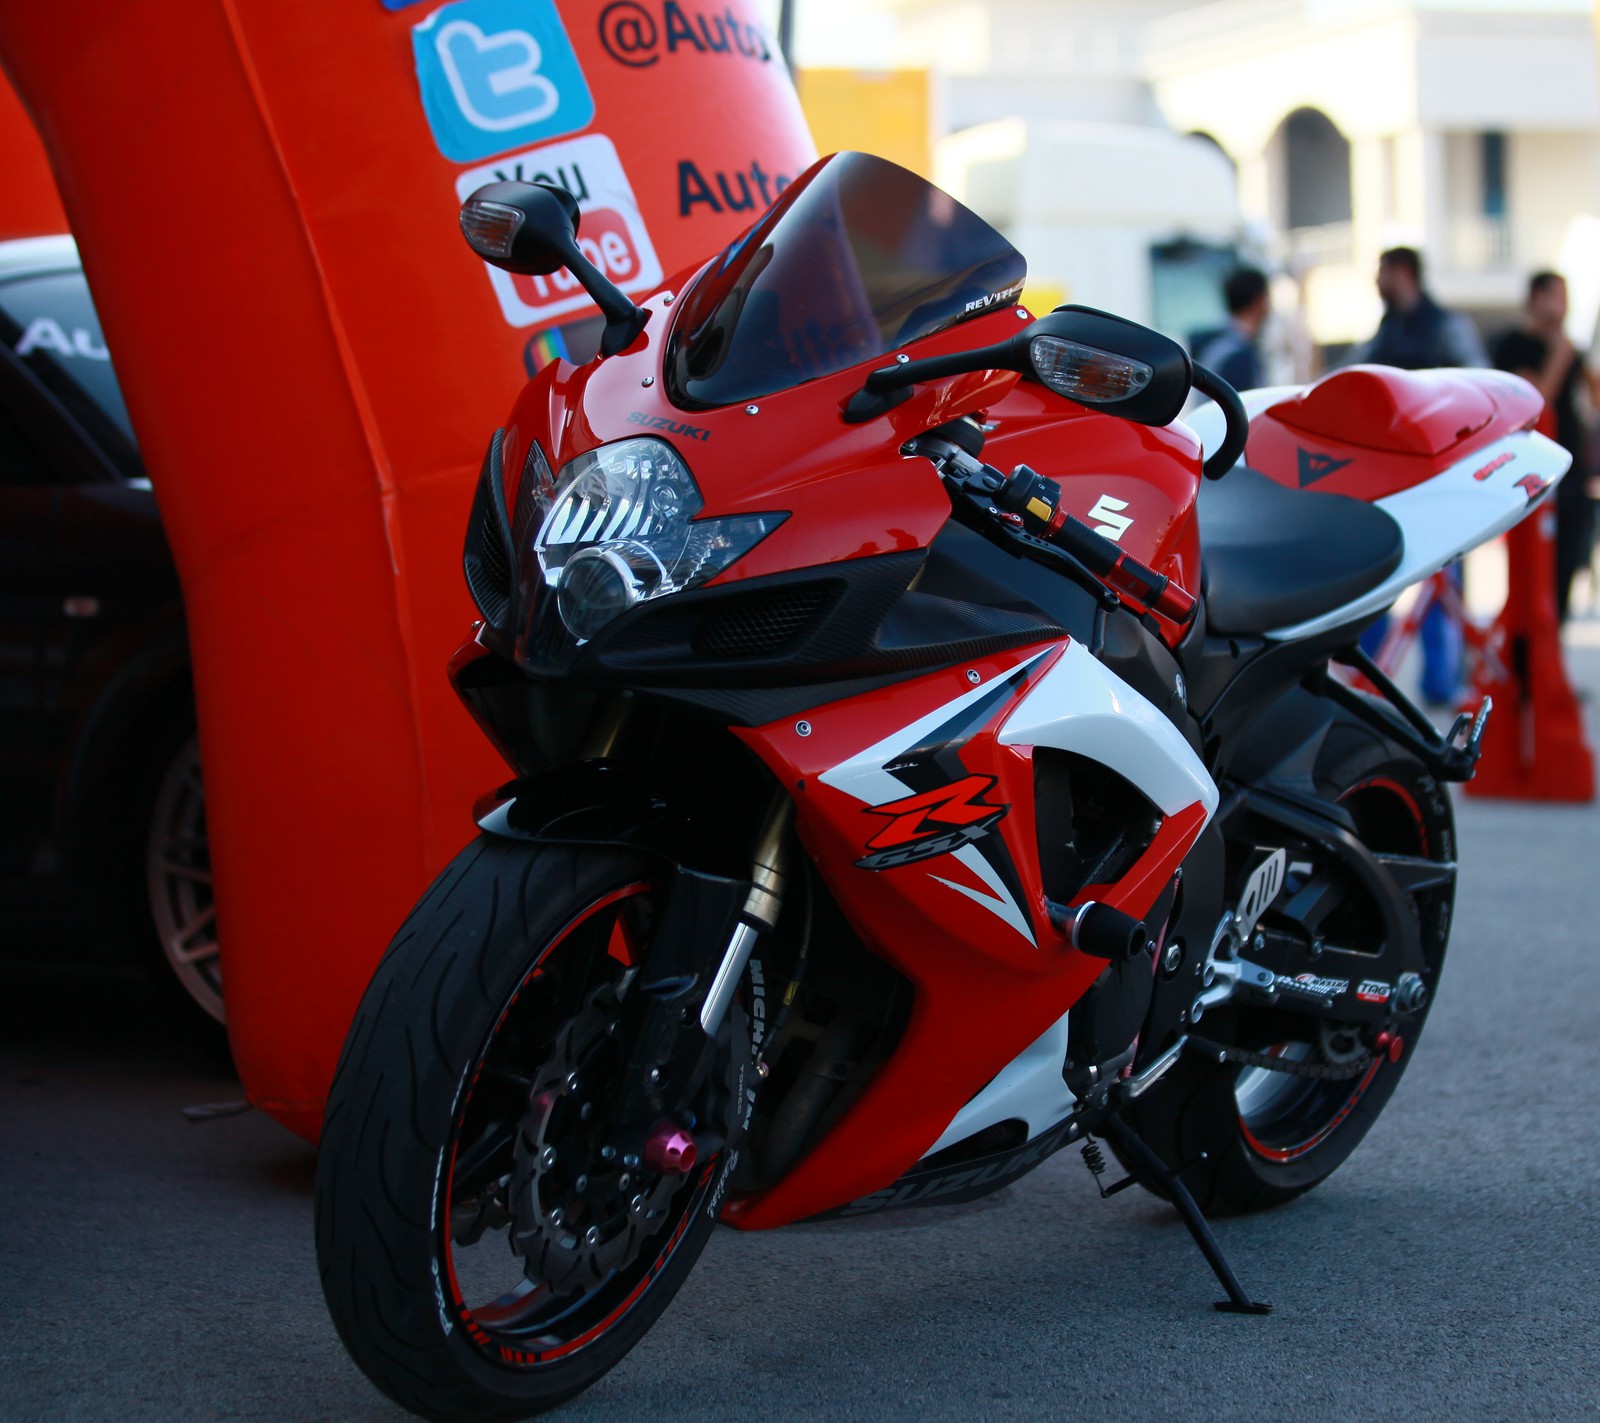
x=264, y=192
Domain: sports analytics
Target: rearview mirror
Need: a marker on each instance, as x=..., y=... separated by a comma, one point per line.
x=1089, y=356
x=531, y=229
x=1110, y=364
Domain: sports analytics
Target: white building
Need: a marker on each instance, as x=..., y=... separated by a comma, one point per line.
x=1465, y=128
x=1054, y=135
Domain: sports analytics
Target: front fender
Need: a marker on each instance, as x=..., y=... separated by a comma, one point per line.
x=614, y=803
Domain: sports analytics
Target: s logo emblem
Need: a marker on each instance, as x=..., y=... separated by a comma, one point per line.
x=1108, y=518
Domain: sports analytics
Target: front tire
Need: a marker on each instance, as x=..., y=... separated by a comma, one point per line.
x=495, y=976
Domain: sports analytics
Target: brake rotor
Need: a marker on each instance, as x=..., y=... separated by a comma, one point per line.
x=579, y=1212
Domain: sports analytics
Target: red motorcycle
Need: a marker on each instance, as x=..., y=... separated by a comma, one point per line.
x=919, y=767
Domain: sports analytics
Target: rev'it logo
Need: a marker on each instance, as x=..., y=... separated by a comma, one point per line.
x=932, y=823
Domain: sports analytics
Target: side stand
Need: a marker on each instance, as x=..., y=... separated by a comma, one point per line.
x=1237, y=1302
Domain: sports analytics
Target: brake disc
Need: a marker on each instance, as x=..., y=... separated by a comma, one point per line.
x=579, y=1212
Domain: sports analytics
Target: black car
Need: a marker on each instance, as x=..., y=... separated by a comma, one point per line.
x=102, y=823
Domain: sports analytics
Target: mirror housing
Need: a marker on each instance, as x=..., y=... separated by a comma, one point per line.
x=1091, y=357
x=1108, y=363
x=531, y=229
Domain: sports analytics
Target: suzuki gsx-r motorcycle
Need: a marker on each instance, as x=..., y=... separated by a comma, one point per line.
x=927, y=755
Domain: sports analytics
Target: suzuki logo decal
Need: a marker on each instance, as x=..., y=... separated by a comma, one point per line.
x=1314, y=466
x=1113, y=523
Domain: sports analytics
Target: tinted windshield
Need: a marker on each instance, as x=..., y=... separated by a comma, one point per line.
x=857, y=258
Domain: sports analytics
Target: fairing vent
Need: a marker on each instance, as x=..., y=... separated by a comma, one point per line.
x=1093, y=825
x=487, y=557
x=762, y=624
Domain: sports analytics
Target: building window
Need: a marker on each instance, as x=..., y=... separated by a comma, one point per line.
x=1492, y=159
x=1317, y=160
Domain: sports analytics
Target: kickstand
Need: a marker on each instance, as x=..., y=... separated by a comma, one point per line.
x=1237, y=1302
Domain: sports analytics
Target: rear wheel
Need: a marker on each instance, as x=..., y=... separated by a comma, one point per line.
x=484, y=1252
x=1247, y=1136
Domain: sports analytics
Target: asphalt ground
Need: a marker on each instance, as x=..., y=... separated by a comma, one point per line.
x=154, y=1269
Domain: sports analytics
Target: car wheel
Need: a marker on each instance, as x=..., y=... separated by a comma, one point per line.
x=178, y=880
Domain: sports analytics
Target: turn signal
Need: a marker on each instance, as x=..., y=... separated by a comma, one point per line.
x=1085, y=374
x=490, y=228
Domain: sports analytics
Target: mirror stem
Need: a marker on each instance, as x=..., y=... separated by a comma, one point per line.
x=624, y=320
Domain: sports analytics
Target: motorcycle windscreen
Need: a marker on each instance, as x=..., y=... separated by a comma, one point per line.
x=857, y=258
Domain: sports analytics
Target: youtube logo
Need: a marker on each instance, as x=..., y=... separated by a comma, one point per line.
x=611, y=231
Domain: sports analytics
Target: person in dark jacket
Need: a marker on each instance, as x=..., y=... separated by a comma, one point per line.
x=1418, y=334
x=1539, y=351
x=1233, y=352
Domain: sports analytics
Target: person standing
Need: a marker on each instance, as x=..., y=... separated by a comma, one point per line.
x=1416, y=334
x=1539, y=351
x=1234, y=353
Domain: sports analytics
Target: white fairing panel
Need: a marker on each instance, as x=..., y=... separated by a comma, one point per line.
x=1028, y=1089
x=1463, y=506
x=1081, y=705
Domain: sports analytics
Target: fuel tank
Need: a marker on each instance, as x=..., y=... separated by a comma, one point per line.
x=1133, y=483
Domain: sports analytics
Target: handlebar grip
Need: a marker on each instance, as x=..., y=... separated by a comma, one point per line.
x=1037, y=501
x=1122, y=571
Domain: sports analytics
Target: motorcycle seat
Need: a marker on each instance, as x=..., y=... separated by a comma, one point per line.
x=1274, y=556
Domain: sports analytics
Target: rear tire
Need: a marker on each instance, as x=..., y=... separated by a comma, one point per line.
x=1248, y=1139
x=504, y=928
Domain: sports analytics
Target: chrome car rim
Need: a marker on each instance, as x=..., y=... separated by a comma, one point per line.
x=178, y=866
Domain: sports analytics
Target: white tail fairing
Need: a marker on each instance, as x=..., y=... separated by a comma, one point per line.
x=1465, y=505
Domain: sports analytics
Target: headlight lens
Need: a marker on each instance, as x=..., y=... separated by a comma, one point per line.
x=621, y=530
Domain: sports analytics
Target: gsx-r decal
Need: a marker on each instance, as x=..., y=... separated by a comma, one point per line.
x=947, y=811
x=932, y=823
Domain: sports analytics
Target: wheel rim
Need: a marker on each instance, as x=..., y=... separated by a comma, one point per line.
x=178, y=876
x=514, y=1322
x=1283, y=1117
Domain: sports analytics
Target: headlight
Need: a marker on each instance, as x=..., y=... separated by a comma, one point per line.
x=621, y=530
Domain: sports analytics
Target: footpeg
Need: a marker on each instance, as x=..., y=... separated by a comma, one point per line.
x=1469, y=750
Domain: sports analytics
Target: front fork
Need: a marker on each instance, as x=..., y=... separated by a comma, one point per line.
x=681, y=993
x=768, y=877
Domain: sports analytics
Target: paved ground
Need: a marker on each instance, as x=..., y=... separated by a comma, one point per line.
x=151, y=1269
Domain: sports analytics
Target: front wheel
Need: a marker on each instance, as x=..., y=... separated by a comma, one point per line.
x=485, y=1253
x=1247, y=1137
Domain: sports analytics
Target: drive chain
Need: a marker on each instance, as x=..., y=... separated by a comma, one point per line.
x=1323, y=1071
